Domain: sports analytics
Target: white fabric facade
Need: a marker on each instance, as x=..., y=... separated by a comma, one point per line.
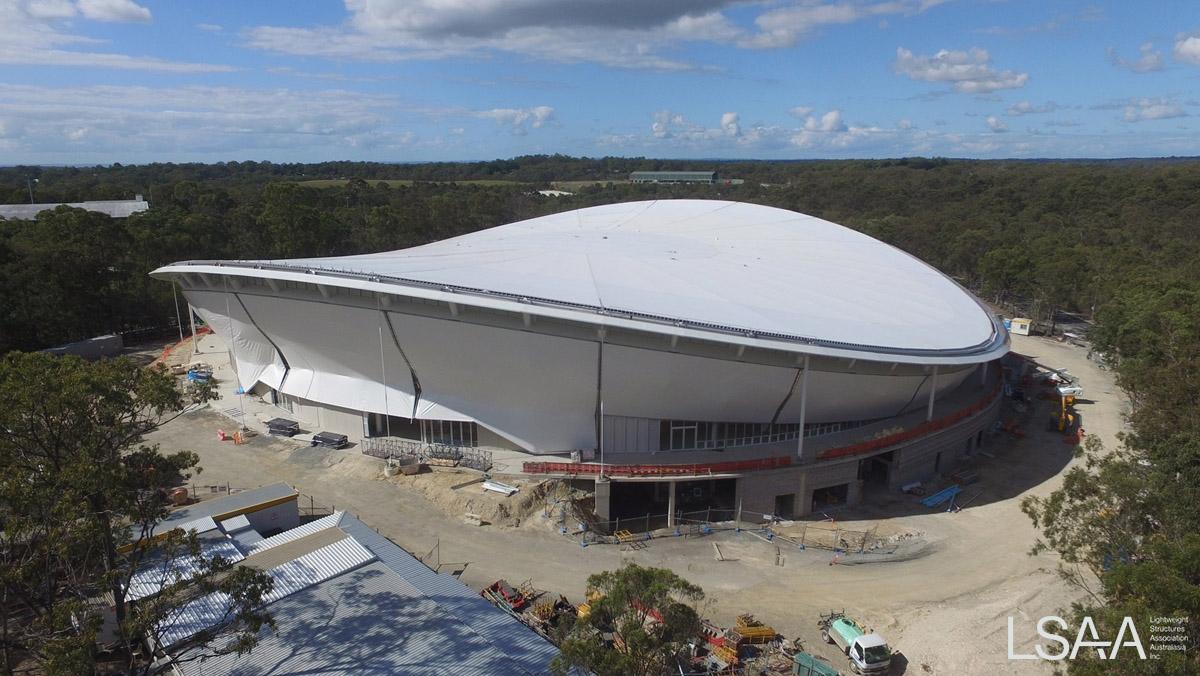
x=538, y=391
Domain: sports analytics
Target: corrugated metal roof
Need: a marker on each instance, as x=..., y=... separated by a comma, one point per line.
x=194, y=617
x=367, y=621
x=246, y=539
x=365, y=605
x=289, y=578
x=230, y=503
x=317, y=566
x=520, y=643
x=237, y=523
x=161, y=573
x=296, y=533
x=201, y=525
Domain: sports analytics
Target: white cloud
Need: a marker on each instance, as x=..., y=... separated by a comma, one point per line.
x=109, y=122
x=113, y=10
x=34, y=33
x=970, y=72
x=830, y=121
x=1026, y=108
x=519, y=120
x=42, y=9
x=785, y=26
x=1187, y=49
x=729, y=123
x=800, y=111
x=1149, y=60
x=210, y=27
x=619, y=33
x=996, y=124
x=1152, y=109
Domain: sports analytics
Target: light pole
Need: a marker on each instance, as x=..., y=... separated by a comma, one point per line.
x=29, y=184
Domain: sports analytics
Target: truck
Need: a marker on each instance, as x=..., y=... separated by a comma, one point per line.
x=867, y=652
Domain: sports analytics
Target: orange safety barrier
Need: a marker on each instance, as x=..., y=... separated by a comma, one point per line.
x=655, y=470
x=167, y=350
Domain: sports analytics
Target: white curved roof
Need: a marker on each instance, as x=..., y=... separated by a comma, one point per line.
x=703, y=262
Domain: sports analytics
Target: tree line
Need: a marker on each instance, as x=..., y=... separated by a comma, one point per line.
x=1047, y=236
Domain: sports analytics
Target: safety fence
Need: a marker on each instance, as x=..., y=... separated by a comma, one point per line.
x=696, y=469
x=203, y=330
x=392, y=447
x=311, y=509
x=825, y=534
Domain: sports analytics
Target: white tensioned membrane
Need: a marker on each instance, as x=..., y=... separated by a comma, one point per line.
x=721, y=263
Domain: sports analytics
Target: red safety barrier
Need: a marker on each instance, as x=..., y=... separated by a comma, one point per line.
x=918, y=431
x=591, y=468
x=655, y=470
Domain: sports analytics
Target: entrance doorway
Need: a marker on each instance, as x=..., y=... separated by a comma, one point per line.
x=785, y=506
x=830, y=497
x=876, y=470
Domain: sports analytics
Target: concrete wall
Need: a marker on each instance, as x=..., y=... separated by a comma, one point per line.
x=92, y=348
x=757, y=491
x=920, y=461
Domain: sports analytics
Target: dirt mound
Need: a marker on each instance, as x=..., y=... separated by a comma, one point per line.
x=458, y=492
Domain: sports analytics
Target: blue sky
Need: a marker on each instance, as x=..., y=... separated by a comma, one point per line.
x=100, y=81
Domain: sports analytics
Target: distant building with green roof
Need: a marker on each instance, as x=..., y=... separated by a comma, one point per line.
x=673, y=177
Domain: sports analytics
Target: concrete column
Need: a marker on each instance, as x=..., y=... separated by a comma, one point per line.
x=932, y=392
x=603, y=499
x=803, y=406
x=670, y=504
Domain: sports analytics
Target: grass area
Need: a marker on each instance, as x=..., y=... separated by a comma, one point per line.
x=396, y=183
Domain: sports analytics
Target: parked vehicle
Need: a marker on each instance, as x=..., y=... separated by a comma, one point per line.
x=806, y=664
x=868, y=652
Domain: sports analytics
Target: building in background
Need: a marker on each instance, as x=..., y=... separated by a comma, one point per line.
x=114, y=208
x=685, y=354
x=673, y=177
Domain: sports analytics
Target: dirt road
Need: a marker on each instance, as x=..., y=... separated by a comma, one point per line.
x=946, y=612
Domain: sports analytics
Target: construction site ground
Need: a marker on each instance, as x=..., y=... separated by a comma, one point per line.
x=943, y=603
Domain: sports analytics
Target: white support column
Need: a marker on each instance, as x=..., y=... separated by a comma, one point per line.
x=803, y=406
x=195, y=341
x=671, y=504
x=932, y=391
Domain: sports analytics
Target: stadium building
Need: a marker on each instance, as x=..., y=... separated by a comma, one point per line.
x=681, y=354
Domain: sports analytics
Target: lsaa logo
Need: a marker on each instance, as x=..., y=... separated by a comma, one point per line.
x=1086, y=637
